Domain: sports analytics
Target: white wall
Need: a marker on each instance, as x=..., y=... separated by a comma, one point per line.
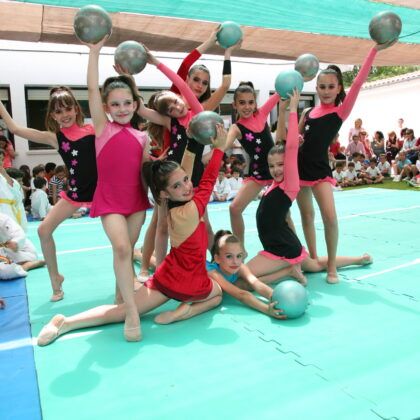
x=380, y=107
x=55, y=64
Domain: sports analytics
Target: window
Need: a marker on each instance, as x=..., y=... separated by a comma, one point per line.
x=5, y=98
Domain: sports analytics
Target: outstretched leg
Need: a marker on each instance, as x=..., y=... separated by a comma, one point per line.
x=321, y=264
x=60, y=212
x=186, y=310
x=146, y=299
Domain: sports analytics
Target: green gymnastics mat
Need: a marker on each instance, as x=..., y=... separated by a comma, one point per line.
x=354, y=354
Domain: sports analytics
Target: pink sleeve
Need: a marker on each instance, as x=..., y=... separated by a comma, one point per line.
x=206, y=185
x=268, y=106
x=183, y=88
x=345, y=108
x=185, y=66
x=291, y=184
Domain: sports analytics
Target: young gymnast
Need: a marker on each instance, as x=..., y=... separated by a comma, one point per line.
x=282, y=248
x=182, y=275
x=229, y=271
x=253, y=132
x=197, y=78
x=319, y=126
x=75, y=142
x=120, y=197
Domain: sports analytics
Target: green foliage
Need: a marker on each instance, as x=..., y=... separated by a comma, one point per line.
x=378, y=73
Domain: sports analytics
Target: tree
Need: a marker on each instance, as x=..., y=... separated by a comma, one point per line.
x=378, y=73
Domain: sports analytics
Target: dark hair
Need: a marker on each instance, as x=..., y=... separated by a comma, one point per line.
x=339, y=165
x=380, y=134
x=244, y=87
x=278, y=149
x=61, y=97
x=120, y=82
x=26, y=180
x=350, y=164
x=156, y=174
x=3, y=138
x=50, y=166
x=201, y=67
x=231, y=239
x=335, y=70
x=372, y=160
x=355, y=155
x=37, y=169
x=14, y=173
x=60, y=168
x=39, y=182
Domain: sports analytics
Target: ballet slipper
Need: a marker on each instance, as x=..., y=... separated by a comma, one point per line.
x=143, y=276
x=366, y=259
x=51, y=331
x=332, y=278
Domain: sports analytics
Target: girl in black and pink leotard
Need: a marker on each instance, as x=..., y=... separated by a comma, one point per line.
x=319, y=126
x=75, y=142
x=252, y=131
x=283, y=254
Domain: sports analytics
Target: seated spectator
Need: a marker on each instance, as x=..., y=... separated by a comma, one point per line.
x=40, y=206
x=355, y=131
x=9, y=152
x=402, y=167
x=11, y=195
x=15, y=246
x=409, y=146
x=235, y=182
x=392, y=146
x=49, y=171
x=378, y=144
x=364, y=139
x=355, y=146
x=350, y=176
x=37, y=172
x=221, y=189
x=57, y=184
x=339, y=174
x=373, y=174
x=335, y=149
x=384, y=166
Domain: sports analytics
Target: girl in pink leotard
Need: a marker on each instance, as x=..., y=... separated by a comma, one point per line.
x=120, y=198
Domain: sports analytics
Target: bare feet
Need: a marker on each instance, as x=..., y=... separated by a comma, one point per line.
x=132, y=329
x=137, y=255
x=180, y=313
x=332, y=278
x=52, y=330
x=366, y=259
x=297, y=274
x=58, y=293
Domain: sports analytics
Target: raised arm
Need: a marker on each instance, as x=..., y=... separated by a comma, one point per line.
x=291, y=174
x=269, y=105
x=185, y=66
x=281, y=132
x=350, y=99
x=217, y=96
x=97, y=112
x=42, y=137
